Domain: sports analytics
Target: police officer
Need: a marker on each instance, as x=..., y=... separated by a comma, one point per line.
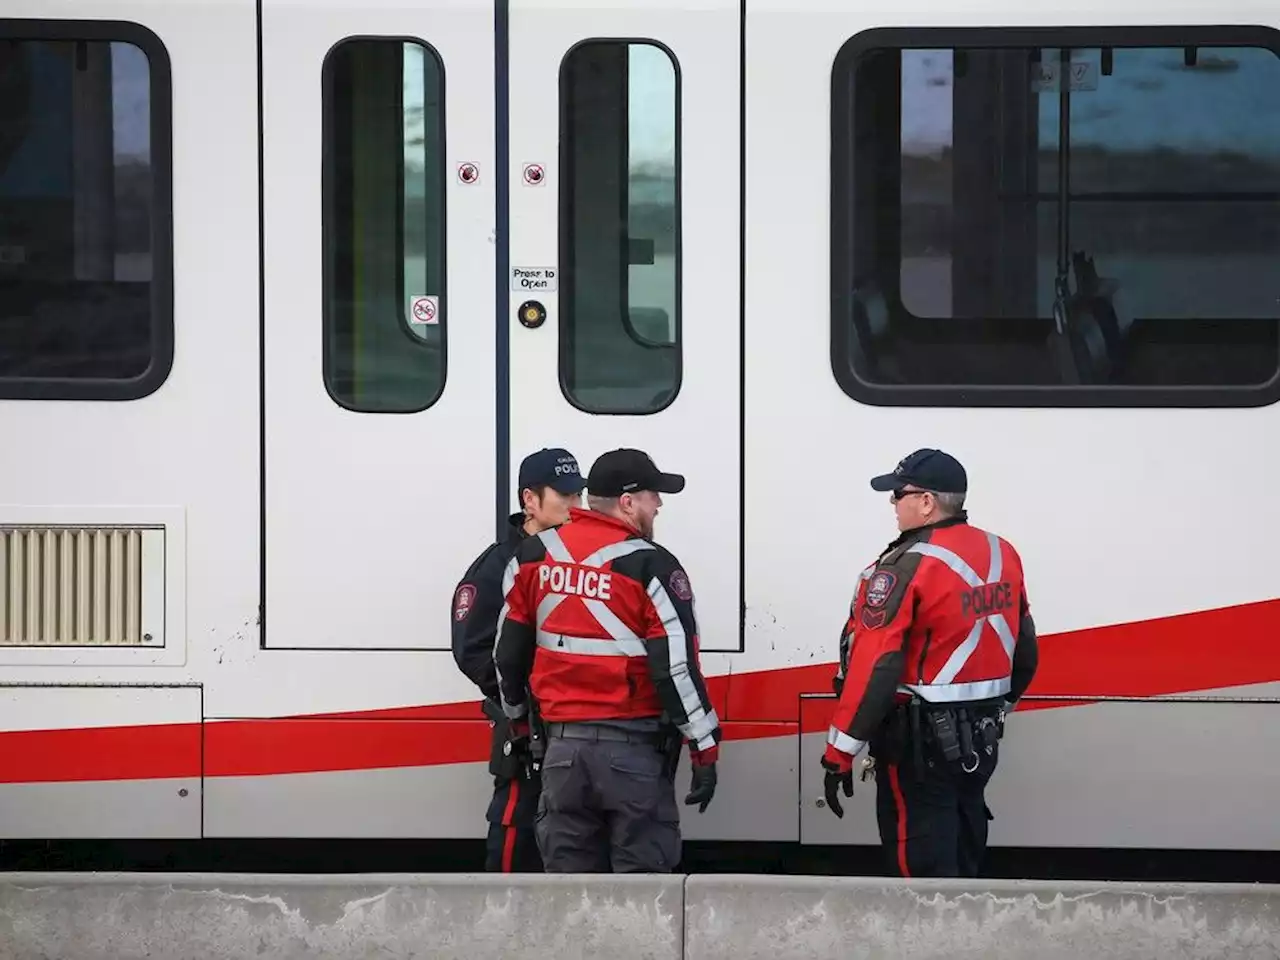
x=938, y=645
x=550, y=482
x=599, y=623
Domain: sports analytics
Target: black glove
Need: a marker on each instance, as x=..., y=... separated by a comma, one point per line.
x=704, y=786
x=831, y=781
x=837, y=684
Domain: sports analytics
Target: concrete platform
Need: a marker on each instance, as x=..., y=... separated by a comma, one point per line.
x=778, y=918
x=76, y=916
x=67, y=916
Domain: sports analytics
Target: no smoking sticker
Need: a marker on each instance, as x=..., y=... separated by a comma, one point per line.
x=534, y=174
x=424, y=310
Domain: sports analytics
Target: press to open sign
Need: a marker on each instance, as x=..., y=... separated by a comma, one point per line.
x=525, y=279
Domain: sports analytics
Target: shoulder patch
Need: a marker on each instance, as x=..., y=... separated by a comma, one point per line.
x=463, y=600
x=680, y=585
x=880, y=586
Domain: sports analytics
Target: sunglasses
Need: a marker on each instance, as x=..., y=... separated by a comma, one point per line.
x=901, y=494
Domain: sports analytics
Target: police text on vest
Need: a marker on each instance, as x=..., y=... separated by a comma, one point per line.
x=574, y=581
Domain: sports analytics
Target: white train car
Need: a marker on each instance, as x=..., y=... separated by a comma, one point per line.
x=288, y=288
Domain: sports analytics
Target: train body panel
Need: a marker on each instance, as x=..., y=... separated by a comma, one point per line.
x=226, y=573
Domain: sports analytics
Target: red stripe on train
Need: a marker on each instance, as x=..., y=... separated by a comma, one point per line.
x=1206, y=650
x=150, y=752
x=248, y=748
x=1233, y=646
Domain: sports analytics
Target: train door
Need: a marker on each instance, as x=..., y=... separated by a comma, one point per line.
x=378, y=347
x=624, y=261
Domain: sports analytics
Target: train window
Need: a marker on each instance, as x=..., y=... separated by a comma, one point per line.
x=619, y=227
x=384, y=226
x=1057, y=217
x=86, y=287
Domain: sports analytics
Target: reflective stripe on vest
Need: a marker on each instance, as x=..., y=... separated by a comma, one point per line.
x=591, y=647
x=621, y=640
x=701, y=723
x=843, y=742
x=618, y=639
x=940, y=688
x=958, y=692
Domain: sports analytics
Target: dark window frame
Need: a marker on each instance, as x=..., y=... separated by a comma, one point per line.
x=327, y=222
x=160, y=108
x=842, y=219
x=565, y=231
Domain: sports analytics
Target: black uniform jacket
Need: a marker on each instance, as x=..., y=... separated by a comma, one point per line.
x=477, y=601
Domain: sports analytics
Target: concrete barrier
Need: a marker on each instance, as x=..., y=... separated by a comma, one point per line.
x=72, y=916
x=778, y=918
x=65, y=916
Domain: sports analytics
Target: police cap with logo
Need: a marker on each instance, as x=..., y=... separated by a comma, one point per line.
x=927, y=469
x=629, y=471
x=551, y=467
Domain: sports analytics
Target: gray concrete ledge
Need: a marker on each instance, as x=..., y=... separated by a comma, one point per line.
x=77, y=916
x=292, y=917
x=777, y=918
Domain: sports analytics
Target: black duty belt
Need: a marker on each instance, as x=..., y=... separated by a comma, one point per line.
x=600, y=731
x=952, y=732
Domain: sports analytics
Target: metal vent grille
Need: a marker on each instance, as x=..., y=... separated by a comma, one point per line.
x=83, y=586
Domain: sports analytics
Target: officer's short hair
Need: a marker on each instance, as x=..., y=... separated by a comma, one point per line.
x=601, y=504
x=950, y=503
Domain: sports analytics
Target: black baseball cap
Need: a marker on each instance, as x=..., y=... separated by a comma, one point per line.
x=928, y=469
x=553, y=467
x=626, y=471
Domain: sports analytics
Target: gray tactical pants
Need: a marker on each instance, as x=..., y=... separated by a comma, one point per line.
x=606, y=807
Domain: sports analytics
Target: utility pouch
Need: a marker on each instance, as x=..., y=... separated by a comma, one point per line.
x=945, y=734
x=499, y=765
x=965, y=726
x=916, y=736
x=493, y=711
x=989, y=733
x=511, y=766
x=669, y=743
x=537, y=739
